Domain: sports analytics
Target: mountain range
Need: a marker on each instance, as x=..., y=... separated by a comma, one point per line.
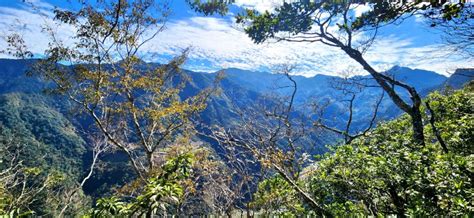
x=241, y=88
x=46, y=121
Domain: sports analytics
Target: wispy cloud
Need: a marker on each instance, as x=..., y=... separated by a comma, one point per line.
x=218, y=43
x=259, y=5
x=221, y=43
x=30, y=23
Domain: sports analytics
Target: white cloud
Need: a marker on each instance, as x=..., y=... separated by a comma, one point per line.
x=259, y=5
x=217, y=43
x=223, y=45
x=30, y=23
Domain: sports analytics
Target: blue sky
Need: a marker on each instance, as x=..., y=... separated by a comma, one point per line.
x=217, y=42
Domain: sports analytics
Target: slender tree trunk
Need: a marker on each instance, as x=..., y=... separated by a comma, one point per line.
x=151, y=167
x=248, y=210
x=387, y=85
x=435, y=129
x=149, y=213
x=306, y=197
x=397, y=201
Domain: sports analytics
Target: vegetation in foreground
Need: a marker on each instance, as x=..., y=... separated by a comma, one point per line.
x=381, y=173
x=385, y=173
x=419, y=164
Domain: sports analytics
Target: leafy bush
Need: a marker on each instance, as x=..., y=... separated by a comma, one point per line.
x=276, y=197
x=386, y=173
x=159, y=192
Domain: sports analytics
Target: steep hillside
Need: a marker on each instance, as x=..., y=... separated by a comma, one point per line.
x=52, y=141
x=241, y=88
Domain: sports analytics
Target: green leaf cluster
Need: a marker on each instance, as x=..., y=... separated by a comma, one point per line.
x=160, y=192
x=275, y=196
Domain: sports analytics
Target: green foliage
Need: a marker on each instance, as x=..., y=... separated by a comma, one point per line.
x=210, y=7
x=110, y=206
x=386, y=173
x=159, y=193
x=293, y=18
x=40, y=155
x=51, y=140
x=455, y=118
x=276, y=197
x=451, y=11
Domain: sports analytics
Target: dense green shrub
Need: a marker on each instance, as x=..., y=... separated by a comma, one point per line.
x=386, y=173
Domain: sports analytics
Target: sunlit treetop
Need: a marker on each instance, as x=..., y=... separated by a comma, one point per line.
x=210, y=7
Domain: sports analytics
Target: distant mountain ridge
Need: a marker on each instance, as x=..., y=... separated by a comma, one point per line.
x=244, y=88
x=318, y=84
x=460, y=77
x=22, y=102
x=319, y=89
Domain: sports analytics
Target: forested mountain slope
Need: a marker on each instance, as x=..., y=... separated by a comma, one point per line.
x=47, y=121
x=41, y=148
x=241, y=88
x=53, y=138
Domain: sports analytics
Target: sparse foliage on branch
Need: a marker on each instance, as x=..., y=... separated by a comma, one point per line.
x=457, y=30
x=275, y=196
x=350, y=87
x=210, y=7
x=135, y=105
x=276, y=137
x=24, y=187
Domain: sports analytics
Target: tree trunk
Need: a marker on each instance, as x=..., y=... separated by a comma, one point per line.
x=417, y=125
x=397, y=201
x=149, y=214
x=306, y=197
x=387, y=85
x=435, y=129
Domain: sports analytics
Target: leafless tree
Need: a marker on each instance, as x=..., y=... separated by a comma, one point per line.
x=99, y=146
x=274, y=135
x=350, y=87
